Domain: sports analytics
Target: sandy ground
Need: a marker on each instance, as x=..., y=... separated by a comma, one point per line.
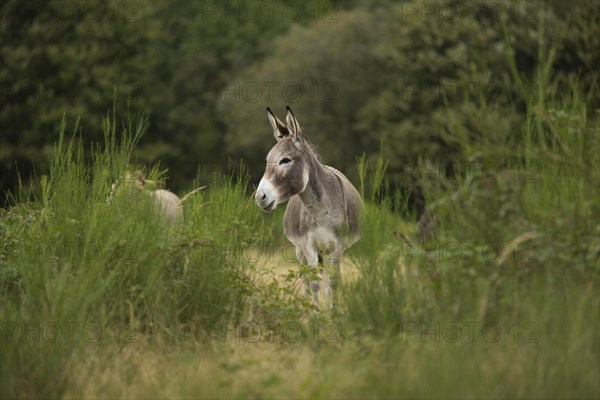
x=280, y=263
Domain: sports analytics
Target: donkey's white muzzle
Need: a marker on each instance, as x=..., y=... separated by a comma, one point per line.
x=266, y=197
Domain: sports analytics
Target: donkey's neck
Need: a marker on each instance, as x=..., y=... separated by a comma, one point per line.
x=314, y=196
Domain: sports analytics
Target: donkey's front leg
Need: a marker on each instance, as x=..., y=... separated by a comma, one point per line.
x=309, y=260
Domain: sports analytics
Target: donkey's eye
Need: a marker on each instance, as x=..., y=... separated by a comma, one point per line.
x=284, y=161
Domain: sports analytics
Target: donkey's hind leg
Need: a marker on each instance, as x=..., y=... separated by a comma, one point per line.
x=331, y=283
x=331, y=273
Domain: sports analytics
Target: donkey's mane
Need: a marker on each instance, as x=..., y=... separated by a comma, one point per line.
x=312, y=148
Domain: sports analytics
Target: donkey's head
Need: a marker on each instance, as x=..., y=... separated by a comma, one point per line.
x=288, y=164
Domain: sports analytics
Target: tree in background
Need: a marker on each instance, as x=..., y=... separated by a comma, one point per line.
x=64, y=58
x=415, y=76
x=167, y=59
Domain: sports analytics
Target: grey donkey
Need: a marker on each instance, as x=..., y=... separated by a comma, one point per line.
x=322, y=216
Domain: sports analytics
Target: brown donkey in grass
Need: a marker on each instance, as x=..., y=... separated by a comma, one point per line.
x=321, y=218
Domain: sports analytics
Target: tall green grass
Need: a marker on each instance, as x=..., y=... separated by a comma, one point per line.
x=516, y=247
x=86, y=263
x=501, y=301
x=88, y=270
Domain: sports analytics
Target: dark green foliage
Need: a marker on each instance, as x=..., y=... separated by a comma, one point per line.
x=366, y=73
x=167, y=59
x=414, y=76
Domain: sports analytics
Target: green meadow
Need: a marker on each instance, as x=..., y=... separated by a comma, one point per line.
x=103, y=297
x=495, y=293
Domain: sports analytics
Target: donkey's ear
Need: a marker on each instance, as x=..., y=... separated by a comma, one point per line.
x=279, y=129
x=293, y=125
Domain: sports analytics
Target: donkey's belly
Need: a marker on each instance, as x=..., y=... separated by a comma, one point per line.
x=323, y=240
x=312, y=235
x=317, y=239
